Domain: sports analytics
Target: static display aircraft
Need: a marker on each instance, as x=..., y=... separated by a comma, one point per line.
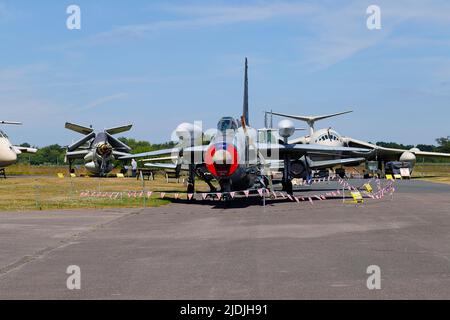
x=324, y=137
x=98, y=150
x=9, y=152
x=235, y=157
x=329, y=137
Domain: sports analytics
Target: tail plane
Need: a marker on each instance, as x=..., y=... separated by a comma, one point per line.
x=310, y=120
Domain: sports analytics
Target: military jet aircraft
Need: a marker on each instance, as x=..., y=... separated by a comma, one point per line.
x=235, y=157
x=329, y=137
x=98, y=150
x=9, y=152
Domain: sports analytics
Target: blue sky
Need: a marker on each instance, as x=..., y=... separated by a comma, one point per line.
x=157, y=64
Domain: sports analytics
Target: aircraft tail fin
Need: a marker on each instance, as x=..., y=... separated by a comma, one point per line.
x=78, y=128
x=245, y=104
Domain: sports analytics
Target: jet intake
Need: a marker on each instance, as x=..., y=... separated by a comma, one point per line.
x=221, y=160
x=298, y=170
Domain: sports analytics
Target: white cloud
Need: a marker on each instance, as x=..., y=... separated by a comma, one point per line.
x=103, y=100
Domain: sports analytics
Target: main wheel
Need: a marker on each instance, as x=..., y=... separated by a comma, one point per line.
x=191, y=189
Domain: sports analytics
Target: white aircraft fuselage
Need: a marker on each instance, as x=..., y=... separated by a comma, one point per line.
x=8, y=155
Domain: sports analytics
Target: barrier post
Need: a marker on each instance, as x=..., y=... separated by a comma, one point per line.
x=141, y=176
x=264, y=200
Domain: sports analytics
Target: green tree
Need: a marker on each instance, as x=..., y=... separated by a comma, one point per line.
x=50, y=155
x=394, y=145
x=443, y=144
x=139, y=146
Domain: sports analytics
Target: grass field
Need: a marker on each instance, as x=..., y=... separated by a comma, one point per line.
x=43, y=193
x=433, y=172
x=38, y=188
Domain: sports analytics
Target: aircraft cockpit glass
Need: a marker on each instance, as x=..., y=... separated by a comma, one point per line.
x=3, y=135
x=227, y=124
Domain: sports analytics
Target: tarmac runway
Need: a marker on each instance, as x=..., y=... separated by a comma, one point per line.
x=284, y=250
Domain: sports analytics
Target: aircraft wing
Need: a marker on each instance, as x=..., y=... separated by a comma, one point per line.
x=120, y=154
x=431, y=154
x=166, y=152
x=159, y=159
x=117, y=130
x=77, y=154
x=299, y=150
x=10, y=122
x=116, y=143
x=81, y=142
x=151, y=153
x=317, y=165
x=20, y=150
x=166, y=166
x=78, y=128
x=392, y=153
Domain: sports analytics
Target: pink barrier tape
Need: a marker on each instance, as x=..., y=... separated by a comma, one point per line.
x=379, y=193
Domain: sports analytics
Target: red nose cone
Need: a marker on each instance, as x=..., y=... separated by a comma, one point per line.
x=221, y=160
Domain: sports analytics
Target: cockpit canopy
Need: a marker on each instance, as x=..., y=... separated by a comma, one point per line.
x=227, y=123
x=329, y=136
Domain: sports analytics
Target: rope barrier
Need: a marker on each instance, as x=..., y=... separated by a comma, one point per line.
x=380, y=193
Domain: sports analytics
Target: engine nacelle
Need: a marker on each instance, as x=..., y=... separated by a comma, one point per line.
x=408, y=156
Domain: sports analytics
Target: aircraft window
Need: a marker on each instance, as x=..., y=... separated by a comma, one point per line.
x=226, y=124
x=3, y=135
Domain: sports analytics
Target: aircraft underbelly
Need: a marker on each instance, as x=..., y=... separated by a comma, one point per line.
x=241, y=180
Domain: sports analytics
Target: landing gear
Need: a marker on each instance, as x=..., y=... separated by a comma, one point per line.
x=191, y=180
x=211, y=187
x=190, y=188
x=340, y=172
x=287, y=187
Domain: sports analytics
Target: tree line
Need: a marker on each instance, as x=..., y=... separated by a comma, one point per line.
x=54, y=154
